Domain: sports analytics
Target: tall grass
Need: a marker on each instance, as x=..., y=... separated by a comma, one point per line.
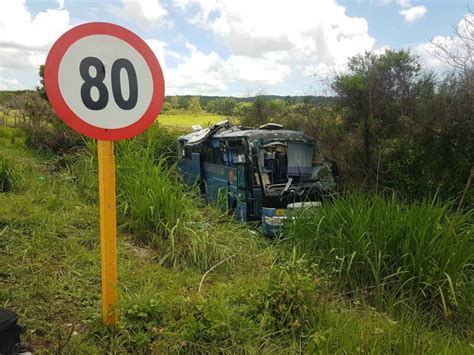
x=158, y=210
x=419, y=255
x=10, y=135
x=6, y=175
x=150, y=195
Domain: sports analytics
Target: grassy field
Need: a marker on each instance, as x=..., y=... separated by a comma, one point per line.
x=181, y=121
x=265, y=297
x=185, y=120
x=5, y=119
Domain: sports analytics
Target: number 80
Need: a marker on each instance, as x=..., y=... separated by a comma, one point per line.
x=98, y=82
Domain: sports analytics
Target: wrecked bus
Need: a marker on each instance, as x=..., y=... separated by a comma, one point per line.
x=261, y=173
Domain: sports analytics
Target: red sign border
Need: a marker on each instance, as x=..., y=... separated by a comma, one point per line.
x=51, y=81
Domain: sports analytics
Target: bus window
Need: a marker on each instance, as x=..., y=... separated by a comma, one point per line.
x=236, y=151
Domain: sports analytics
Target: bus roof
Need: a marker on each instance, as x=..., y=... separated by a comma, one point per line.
x=251, y=134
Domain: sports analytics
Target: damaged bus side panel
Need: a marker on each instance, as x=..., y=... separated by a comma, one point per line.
x=259, y=172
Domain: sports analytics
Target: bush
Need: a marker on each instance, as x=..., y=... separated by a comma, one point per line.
x=6, y=175
x=57, y=139
x=419, y=254
x=290, y=299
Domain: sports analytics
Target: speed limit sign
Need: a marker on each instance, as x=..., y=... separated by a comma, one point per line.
x=104, y=81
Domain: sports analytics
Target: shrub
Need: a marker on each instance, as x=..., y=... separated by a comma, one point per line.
x=290, y=301
x=418, y=254
x=57, y=139
x=207, y=322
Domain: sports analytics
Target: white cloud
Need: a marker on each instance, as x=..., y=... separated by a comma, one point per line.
x=22, y=35
x=410, y=13
x=413, y=13
x=26, y=39
x=432, y=56
x=269, y=43
x=404, y=3
x=18, y=29
x=9, y=84
x=208, y=73
x=146, y=13
x=427, y=54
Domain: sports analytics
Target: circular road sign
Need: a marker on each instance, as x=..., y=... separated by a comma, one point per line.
x=104, y=81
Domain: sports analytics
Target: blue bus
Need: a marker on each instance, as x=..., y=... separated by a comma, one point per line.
x=260, y=173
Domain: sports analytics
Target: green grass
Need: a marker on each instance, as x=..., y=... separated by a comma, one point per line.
x=7, y=119
x=258, y=301
x=9, y=135
x=392, y=254
x=184, y=120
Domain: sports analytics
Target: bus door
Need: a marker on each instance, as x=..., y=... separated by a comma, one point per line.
x=241, y=211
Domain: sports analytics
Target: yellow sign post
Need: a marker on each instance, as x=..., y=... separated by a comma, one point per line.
x=108, y=231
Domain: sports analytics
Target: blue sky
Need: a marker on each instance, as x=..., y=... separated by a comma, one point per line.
x=244, y=47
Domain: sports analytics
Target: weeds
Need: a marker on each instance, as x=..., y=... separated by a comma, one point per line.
x=6, y=175
x=151, y=199
x=417, y=255
x=291, y=296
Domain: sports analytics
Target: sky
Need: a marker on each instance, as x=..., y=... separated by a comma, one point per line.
x=235, y=47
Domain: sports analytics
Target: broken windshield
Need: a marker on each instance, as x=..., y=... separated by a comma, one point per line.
x=300, y=157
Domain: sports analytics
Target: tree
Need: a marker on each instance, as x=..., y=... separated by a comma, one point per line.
x=195, y=105
x=261, y=111
x=244, y=111
x=31, y=108
x=377, y=91
x=174, y=102
x=222, y=106
x=40, y=88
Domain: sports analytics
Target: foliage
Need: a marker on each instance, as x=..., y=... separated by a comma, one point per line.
x=418, y=255
x=41, y=89
x=222, y=106
x=57, y=139
x=244, y=110
x=195, y=105
x=403, y=128
x=151, y=196
x=377, y=91
x=293, y=292
x=43, y=130
x=10, y=135
x=6, y=175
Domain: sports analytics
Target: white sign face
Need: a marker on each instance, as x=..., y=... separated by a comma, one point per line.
x=105, y=81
